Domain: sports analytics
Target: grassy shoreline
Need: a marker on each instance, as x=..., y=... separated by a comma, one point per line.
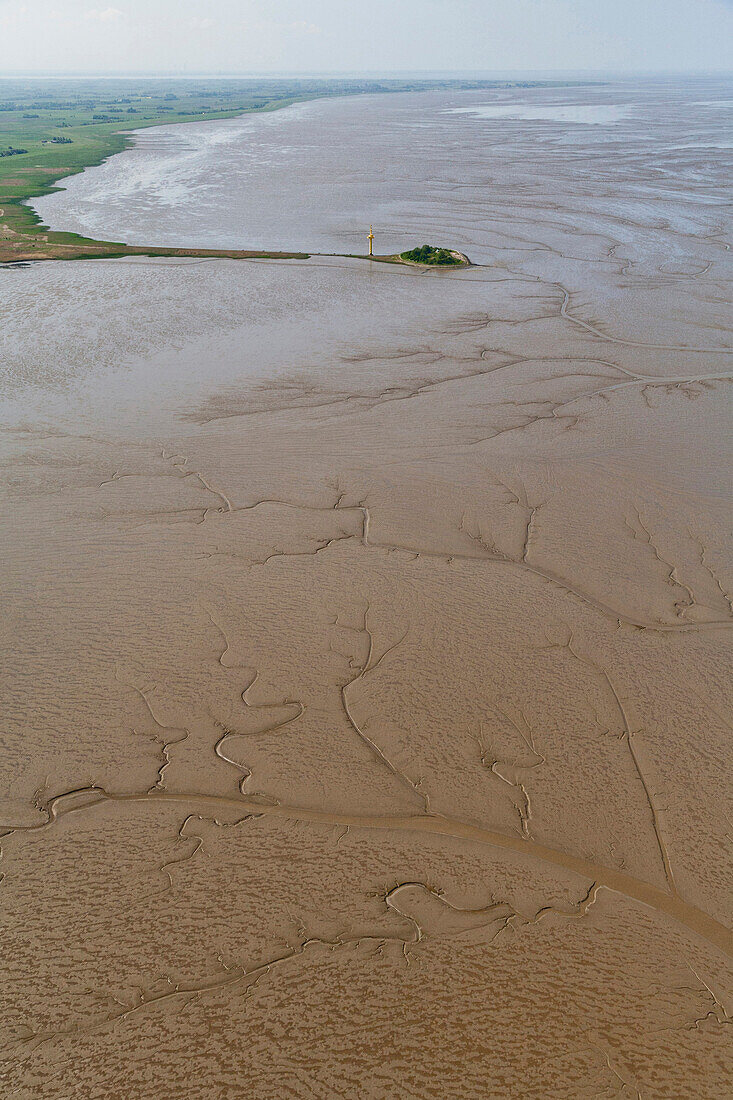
x=50, y=130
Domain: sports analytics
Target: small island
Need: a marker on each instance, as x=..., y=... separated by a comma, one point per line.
x=434, y=256
x=428, y=255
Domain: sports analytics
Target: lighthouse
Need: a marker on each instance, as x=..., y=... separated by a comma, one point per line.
x=371, y=241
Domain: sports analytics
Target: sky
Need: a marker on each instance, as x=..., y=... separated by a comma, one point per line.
x=250, y=36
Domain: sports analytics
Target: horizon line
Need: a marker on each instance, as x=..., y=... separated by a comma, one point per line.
x=326, y=74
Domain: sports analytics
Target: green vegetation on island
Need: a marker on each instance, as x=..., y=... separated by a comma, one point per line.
x=430, y=254
x=50, y=129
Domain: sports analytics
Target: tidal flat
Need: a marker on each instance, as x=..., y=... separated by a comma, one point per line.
x=365, y=665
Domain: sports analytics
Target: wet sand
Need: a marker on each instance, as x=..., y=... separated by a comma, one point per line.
x=366, y=713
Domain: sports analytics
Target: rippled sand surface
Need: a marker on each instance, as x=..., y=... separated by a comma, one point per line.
x=366, y=706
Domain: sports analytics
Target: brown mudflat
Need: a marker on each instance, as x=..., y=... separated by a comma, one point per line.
x=365, y=711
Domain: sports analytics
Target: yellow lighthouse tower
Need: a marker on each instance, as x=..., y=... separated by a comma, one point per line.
x=371, y=241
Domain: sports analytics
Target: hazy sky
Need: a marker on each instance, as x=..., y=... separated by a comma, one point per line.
x=339, y=35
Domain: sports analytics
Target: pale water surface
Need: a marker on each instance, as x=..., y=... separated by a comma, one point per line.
x=314, y=176
x=588, y=114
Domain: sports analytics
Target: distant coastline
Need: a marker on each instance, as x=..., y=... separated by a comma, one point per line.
x=53, y=129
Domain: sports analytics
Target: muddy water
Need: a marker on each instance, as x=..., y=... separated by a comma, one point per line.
x=366, y=719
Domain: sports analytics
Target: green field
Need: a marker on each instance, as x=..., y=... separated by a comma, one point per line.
x=50, y=129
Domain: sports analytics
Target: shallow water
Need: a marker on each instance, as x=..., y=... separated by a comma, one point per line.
x=585, y=113
x=364, y=629
x=315, y=175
